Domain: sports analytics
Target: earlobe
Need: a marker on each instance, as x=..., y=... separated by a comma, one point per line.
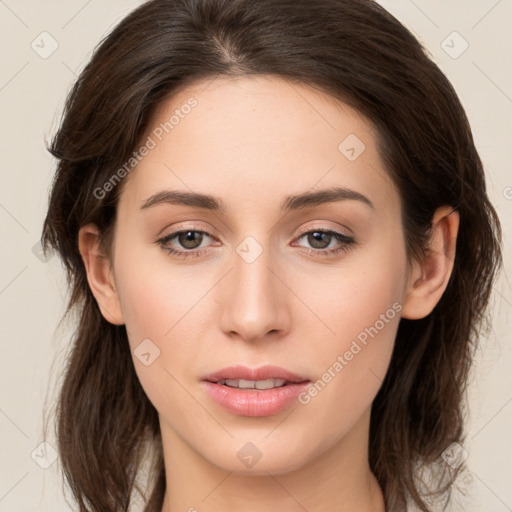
x=429, y=278
x=99, y=274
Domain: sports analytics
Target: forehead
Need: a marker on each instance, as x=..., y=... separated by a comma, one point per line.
x=257, y=133
x=242, y=106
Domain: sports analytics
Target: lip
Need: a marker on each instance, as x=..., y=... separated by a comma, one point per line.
x=262, y=373
x=255, y=402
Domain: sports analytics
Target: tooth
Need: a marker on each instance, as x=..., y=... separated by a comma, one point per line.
x=251, y=384
x=246, y=384
x=265, y=384
x=269, y=383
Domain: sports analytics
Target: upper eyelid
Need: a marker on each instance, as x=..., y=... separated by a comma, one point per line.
x=191, y=227
x=331, y=229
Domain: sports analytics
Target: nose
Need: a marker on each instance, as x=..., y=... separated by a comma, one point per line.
x=254, y=300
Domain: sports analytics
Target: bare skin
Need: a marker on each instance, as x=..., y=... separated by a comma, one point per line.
x=252, y=142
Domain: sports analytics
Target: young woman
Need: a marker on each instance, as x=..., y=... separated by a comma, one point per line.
x=280, y=248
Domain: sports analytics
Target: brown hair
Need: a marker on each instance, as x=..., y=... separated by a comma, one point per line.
x=355, y=51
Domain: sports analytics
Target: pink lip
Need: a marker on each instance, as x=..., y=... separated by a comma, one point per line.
x=262, y=373
x=255, y=402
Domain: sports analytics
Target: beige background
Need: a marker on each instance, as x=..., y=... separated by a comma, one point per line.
x=32, y=292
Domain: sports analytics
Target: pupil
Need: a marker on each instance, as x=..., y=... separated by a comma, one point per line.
x=315, y=239
x=188, y=239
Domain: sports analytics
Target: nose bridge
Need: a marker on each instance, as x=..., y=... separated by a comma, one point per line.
x=254, y=304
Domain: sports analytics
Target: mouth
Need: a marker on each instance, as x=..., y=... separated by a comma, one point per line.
x=264, y=391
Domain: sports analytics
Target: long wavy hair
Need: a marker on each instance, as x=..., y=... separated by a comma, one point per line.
x=358, y=53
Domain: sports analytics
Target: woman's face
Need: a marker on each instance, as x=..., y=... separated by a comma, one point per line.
x=266, y=281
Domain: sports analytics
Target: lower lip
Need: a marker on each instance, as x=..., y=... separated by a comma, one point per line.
x=255, y=402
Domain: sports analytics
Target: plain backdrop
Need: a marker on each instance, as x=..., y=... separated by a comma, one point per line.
x=43, y=47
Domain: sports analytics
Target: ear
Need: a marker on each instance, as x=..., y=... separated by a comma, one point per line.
x=428, y=279
x=99, y=274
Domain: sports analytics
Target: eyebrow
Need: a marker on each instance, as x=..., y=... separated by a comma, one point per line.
x=293, y=202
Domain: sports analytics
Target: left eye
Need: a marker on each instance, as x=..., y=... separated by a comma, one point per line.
x=319, y=239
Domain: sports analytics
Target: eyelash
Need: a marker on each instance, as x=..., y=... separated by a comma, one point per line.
x=346, y=243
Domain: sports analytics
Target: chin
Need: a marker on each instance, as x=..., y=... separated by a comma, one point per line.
x=244, y=456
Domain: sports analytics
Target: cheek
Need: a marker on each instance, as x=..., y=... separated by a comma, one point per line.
x=154, y=297
x=360, y=292
x=362, y=309
x=162, y=305
x=155, y=313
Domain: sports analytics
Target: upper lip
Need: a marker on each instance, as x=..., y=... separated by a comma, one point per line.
x=261, y=373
